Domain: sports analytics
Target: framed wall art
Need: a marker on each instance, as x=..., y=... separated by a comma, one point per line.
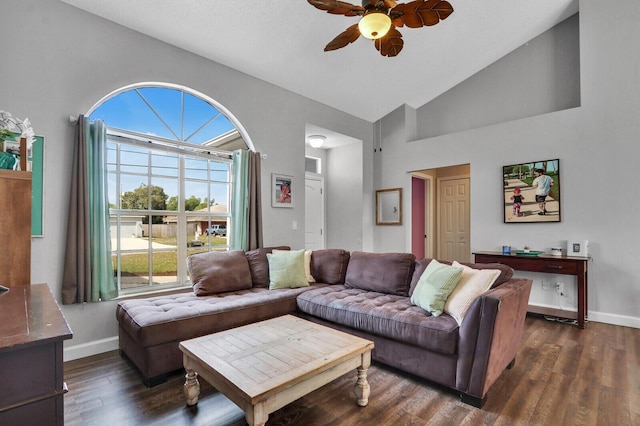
x=389, y=206
x=282, y=194
x=532, y=192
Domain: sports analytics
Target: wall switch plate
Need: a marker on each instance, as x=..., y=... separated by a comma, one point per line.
x=546, y=285
x=294, y=225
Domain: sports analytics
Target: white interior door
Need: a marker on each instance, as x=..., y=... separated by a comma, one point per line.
x=314, y=237
x=454, y=220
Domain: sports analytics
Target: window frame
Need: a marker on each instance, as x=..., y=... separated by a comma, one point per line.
x=115, y=139
x=183, y=150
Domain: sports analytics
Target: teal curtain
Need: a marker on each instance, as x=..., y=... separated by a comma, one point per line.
x=103, y=284
x=246, y=205
x=239, y=200
x=88, y=269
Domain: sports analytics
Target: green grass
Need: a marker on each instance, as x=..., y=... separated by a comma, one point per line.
x=164, y=262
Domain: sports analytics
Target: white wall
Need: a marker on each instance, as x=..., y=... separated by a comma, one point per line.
x=597, y=144
x=549, y=62
x=345, y=198
x=59, y=61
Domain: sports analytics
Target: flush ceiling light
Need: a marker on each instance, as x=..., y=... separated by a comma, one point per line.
x=316, y=141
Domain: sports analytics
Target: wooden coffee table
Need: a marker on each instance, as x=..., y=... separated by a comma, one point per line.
x=264, y=366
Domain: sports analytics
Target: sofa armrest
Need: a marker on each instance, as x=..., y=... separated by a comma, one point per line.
x=490, y=336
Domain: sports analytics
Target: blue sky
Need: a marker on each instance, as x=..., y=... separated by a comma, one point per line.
x=129, y=111
x=198, y=123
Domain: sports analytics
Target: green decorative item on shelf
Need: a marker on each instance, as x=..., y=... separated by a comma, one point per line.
x=5, y=134
x=526, y=252
x=7, y=161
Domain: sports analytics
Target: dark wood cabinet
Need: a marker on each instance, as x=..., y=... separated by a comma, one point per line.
x=550, y=264
x=32, y=331
x=15, y=227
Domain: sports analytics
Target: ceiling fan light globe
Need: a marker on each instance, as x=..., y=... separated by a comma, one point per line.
x=374, y=25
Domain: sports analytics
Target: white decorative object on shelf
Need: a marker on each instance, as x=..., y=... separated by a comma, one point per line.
x=14, y=124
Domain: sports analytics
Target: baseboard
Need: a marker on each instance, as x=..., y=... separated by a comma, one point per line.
x=603, y=317
x=613, y=319
x=90, y=348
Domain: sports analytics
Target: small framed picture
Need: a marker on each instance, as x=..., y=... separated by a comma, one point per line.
x=12, y=147
x=282, y=194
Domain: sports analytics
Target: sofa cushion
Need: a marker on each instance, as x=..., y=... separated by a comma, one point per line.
x=418, y=269
x=286, y=269
x=473, y=283
x=259, y=266
x=506, y=272
x=386, y=315
x=435, y=285
x=329, y=266
x=382, y=272
x=218, y=272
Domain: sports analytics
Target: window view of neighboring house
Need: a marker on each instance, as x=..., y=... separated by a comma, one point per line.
x=169, y=179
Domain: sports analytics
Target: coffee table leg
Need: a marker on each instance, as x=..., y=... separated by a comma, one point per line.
x=191, y=387
x=362, y=388
x=256, y=415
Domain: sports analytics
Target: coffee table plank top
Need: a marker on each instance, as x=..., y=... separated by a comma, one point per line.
x=261, y=359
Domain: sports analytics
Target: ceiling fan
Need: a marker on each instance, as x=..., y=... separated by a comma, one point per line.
x=380, y=19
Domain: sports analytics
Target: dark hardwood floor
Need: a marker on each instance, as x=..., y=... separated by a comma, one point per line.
x=563, y=376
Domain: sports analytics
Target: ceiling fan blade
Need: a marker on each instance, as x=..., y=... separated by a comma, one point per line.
x=420, y=13
x=350, y=35
x=391, y=44
x=337, y=7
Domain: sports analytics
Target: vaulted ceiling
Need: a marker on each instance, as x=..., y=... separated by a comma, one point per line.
x=282, y=42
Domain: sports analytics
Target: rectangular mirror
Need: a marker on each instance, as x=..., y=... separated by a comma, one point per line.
x=389, y=206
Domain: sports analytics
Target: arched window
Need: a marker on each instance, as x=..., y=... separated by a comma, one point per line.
x=169, y=180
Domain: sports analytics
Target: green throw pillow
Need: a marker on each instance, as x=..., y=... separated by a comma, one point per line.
x=286, y=269
x=435, y=285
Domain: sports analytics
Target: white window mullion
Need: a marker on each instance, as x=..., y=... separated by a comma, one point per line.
x=118, y=221
x=182, y=223
x=150, y=218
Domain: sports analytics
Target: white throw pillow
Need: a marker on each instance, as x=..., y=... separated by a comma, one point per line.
x=473, y=283
x=307, y=266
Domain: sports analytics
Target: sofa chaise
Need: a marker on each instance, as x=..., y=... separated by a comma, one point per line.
x=365, y=294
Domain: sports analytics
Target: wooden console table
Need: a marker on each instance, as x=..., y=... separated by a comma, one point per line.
x=32, y=330
x=550, y=264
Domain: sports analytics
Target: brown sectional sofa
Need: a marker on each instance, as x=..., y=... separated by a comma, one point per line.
x=365, y=294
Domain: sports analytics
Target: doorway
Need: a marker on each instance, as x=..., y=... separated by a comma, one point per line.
x=314, y=236
x=440, y=220
x=453, y=219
